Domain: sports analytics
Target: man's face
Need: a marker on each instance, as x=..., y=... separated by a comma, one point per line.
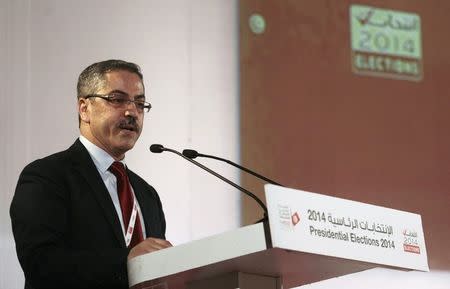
x=114, y=128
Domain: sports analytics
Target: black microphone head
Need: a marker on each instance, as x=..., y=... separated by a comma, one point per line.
x=156, y=148
x=190, y=153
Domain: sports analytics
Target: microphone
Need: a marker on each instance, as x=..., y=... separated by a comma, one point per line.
x=192, y=154
x=157, y=148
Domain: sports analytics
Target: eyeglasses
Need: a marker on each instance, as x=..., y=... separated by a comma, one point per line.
x=120, y=100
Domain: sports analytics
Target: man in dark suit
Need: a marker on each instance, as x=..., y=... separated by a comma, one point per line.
x=80, y=214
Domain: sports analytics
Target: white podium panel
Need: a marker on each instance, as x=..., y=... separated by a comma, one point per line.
x=197, y=254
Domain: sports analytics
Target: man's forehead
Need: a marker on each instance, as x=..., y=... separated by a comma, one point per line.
x=123, y=80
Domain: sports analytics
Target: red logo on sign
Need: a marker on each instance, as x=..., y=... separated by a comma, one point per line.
x=295, y=218
x=411, y=248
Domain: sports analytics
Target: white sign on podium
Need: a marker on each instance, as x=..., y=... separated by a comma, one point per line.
x=320, y=224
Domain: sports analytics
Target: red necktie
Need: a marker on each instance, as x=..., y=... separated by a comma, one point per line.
x=126, y=199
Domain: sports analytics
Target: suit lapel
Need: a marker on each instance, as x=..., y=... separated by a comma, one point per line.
x=86, y=167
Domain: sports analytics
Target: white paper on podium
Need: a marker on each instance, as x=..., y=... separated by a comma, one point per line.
x=320, y=224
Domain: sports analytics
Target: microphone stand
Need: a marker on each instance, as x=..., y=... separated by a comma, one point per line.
x=159, y=148
x=192, y=154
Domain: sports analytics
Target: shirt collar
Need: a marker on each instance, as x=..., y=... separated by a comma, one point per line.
x=101, y=158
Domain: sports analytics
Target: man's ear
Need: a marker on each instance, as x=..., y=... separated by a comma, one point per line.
x=83, y=110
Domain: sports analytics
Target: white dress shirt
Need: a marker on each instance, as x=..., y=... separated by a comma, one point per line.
x=103, y=161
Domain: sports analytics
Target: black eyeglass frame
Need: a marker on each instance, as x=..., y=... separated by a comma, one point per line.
x=121, y=101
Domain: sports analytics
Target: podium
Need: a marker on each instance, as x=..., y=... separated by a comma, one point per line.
x=309, y=237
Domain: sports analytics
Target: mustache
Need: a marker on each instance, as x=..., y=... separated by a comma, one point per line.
x=129, y=122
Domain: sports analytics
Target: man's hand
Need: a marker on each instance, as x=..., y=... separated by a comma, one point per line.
x=147, y=246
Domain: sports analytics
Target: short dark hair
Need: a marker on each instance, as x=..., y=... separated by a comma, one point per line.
x=92, y=78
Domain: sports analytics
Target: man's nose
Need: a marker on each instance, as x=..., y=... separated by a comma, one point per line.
x=131, y=108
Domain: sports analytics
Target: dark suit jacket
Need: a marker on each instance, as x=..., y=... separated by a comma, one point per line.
x=65, y=225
